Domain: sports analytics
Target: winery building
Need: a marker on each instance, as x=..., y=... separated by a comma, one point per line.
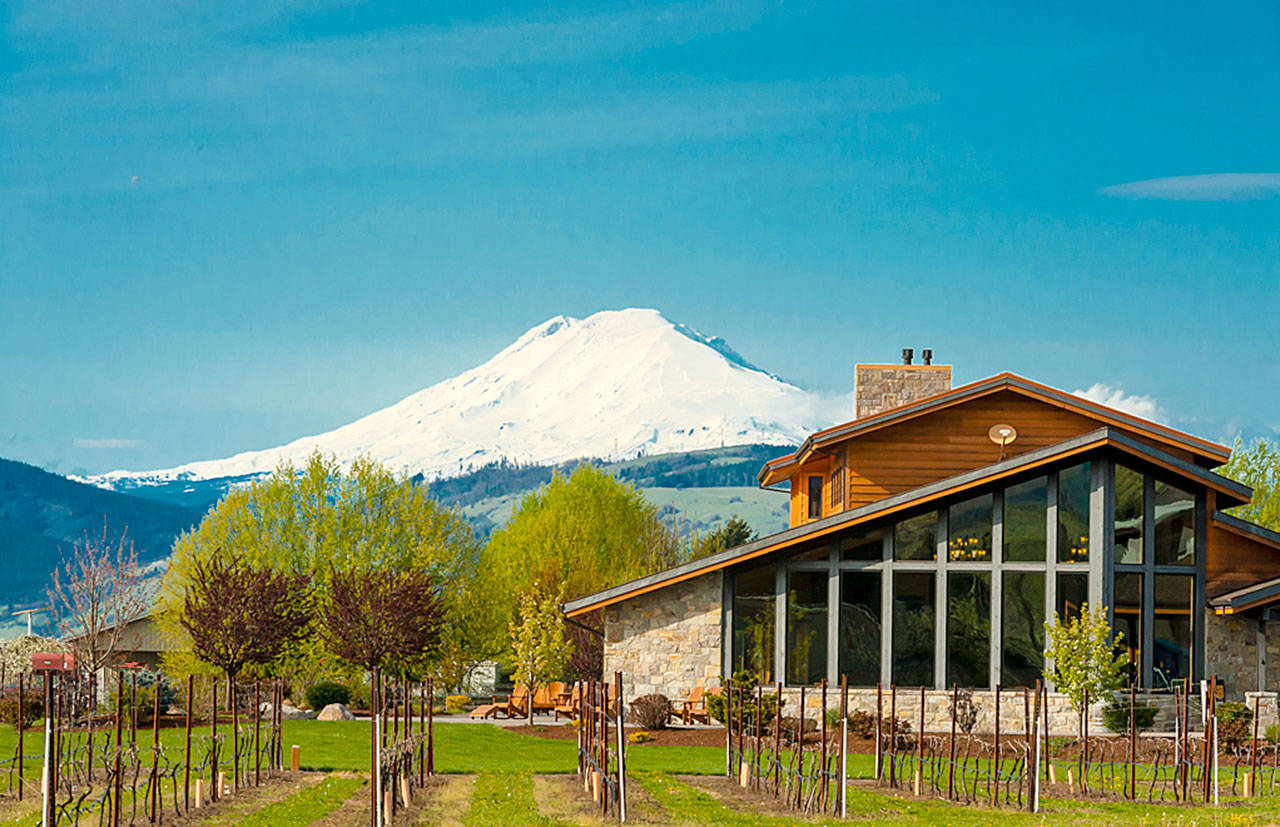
x=933, y=536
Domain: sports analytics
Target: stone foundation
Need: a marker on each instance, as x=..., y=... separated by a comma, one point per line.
x=1231, y=653
x=666, y=641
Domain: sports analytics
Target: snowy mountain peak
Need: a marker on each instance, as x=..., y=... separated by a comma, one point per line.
x=614, y=385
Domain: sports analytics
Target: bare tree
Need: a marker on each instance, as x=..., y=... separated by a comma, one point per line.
x=95, y=594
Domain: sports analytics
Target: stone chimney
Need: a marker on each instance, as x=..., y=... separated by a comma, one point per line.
x=877, y=388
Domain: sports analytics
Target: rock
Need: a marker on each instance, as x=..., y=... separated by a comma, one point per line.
x=335, y=712
x=289, y=712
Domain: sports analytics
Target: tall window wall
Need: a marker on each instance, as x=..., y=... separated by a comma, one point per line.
x=961, y=593
x=1154, y=541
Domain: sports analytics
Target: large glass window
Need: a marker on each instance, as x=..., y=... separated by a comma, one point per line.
x=1073, y=593
x=916, y=538
x=754, y=597
x=913, y=628
x=1074, y=485
x=863, y=545
x=1175, y=526
x=1128, y=609
x=860, y=627
x=1171, y=647
x=1024, y=521
x=806, y=627
x=969, y=530
x=815, y=497
x=969, y=628
x=1129, y=510
x=1022, y=621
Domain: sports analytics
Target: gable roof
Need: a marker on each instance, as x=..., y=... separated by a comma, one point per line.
x=1209, y=453
x=1231, y=492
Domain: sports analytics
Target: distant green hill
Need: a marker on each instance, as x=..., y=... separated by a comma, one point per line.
x=43, y=514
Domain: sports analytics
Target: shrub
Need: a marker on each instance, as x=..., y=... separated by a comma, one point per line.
x=456, y=703
x=148, y=682
x=747, y=682
x=320, y=695
x=1273, y=734
x=1235, y=724
x=651, y=711
x=1116, y=716
x=32, y=707
x=639, y=737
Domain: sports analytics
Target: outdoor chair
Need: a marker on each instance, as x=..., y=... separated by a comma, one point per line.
x=694, y=708
x=544, y=697
x=569, y=704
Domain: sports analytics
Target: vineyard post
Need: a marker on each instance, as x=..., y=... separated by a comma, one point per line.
x=116, y=786
x=1133, y=742
x=47, y=782
x=879, y=768
x=622, y=751
x=154, y=798
x=893, y=734
x=844, y=743
x=186, y=762
x=21, y=721
x=214, y=792
x=777, y=742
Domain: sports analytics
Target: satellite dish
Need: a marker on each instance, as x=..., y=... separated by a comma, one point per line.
x=1002, y=434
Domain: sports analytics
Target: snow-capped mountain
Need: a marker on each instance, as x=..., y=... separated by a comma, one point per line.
x=614, y=385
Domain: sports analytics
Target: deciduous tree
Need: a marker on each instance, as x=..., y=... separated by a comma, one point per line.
x=95, y=593
x=1257, y=466
x=1087, y=659
x=538, y=646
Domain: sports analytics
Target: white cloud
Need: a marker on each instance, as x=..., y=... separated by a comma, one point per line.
x=1223, y=186
x=1130, y=403
x=109, y=443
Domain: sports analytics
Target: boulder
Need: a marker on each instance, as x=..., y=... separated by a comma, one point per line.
x=289, y=712
x=335, y=712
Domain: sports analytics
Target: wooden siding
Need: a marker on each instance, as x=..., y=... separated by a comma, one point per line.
x=1234, y=561
x=817, y=467
x=952, y=441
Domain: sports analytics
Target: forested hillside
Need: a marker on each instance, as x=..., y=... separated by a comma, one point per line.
x=42, y=514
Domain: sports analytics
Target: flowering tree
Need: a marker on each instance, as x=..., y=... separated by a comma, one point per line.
x=95, y=593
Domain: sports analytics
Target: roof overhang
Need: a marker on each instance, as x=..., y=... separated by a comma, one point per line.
x=1259, y=594
x=1231, y=491
x=1211, y=453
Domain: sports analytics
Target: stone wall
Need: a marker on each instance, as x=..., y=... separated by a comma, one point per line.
x=878, y=388
x=1231, y=653
x=666, y=641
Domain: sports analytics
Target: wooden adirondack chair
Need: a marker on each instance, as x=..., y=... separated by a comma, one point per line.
x=517, y=704
x=544, y=698
x=693, y=709
x=569, y=704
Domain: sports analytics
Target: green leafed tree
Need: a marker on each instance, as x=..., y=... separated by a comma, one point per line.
x=1087, y=660
x=577, y=534
x=733, y=533
x=1258, y=466
x=539, y=649
x=316, y=521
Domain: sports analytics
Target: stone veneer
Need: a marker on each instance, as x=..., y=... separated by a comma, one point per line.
x=666, y=641
x=878, y=388
x=1231, y=653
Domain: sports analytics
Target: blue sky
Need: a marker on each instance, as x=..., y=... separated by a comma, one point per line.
x=224, y=225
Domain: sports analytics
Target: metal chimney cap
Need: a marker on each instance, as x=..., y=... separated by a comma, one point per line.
x=907, y=353
x=926, y=356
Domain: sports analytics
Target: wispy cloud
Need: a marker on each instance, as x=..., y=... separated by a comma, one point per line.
x=1131, y=403
x=1222, y=186
x=108, y=443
